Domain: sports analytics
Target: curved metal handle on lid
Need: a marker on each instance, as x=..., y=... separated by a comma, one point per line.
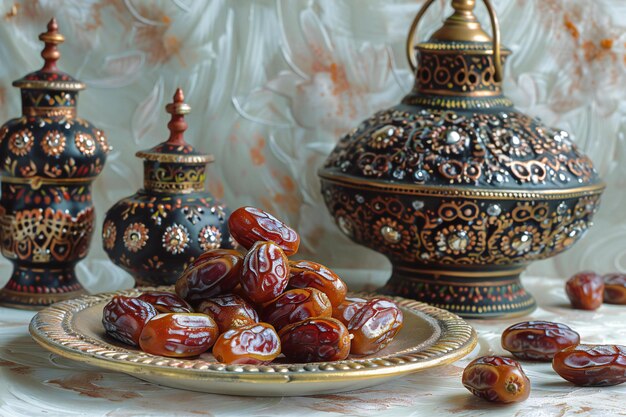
x=495, y=27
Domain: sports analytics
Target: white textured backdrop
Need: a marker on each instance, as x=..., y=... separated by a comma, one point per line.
x=274, y=83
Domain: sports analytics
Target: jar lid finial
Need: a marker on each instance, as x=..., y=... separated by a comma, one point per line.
x=462, y=25
x=177, y=125
x=50, y=53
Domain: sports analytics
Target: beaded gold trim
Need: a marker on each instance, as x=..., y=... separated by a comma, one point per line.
x=37, y=182
x=50, y=85
x=175, y=158
x=459, y=102
x=466, y=47
x=173, y=187
x=49, y=111
x=441, y=191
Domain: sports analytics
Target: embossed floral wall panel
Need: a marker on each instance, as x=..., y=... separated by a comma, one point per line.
x=274, y=83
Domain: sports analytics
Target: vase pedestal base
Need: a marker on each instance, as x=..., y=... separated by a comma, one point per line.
x=470, y=293
x=36, y=288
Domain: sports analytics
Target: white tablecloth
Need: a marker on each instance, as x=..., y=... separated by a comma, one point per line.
x=34, y=382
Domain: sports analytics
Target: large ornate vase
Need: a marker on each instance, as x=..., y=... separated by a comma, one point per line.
x=456, y=187
x=155, y=233
x=48, y=160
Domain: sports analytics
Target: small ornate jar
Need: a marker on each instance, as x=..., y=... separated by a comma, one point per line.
x=155, y=233
x=48, y=160
x=460, y=190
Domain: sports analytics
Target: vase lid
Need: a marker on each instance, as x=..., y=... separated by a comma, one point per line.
x=49, y=77
x=456, y=128
x=175, y=149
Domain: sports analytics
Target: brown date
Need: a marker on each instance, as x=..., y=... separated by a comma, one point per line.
x=346, y=310
x=315, y=340
x=229, y=311
x=585, y=290
x=374, y=326
x=496, y=379
x=303, y=274
x=124, y=318
x=296, y=305
x=615, y=288
x=255, y=344
x=214, y=276
x=249, y=225
x=178, y=335
x=265, y=272
x=538, y=340
x=165, y=302
x=213, y=254
x=592, y=365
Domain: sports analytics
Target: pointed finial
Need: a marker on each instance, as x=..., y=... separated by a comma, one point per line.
x=50, y=53
x=177, y=124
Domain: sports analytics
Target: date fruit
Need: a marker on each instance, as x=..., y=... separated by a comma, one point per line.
x=315, y=340
x=296, y=305
x=124, y=318
x=255, y=344
x=229, y=311
x=592, y=365
x=585, y=290
x=249, y=225
x=213, y=254
x=165, y=302
x=496, y=379
x=374, y=326
x=265, y=272
x=615, y=288
x=303, y=274
x=214, y=276
x=346, y=310
x=178, y=335
x=538, y=340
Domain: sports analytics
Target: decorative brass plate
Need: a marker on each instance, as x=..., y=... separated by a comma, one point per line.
x=430, y=337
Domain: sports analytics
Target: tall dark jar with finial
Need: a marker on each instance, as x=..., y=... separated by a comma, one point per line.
x=48, y=159
x=458, y=188
x=155, y=233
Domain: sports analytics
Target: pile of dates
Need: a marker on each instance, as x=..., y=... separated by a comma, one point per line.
x=251, y=308
x=501, y=379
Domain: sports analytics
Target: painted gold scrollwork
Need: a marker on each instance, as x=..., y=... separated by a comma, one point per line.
x=46, y=235
x=449, y=147
x=460, y=231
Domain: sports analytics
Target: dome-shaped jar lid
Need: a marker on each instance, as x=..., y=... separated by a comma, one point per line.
x=456, y=129
x=175, y=165
x=49, y=77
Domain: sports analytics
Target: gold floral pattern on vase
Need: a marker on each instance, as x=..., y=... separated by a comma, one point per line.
x=109, y=234
x=85, y=144
x=21, y=142
x=53, y=143
x=210, y=237
x=102, y=141
x=135, y=237
x=175, y=239
x=181, y=219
